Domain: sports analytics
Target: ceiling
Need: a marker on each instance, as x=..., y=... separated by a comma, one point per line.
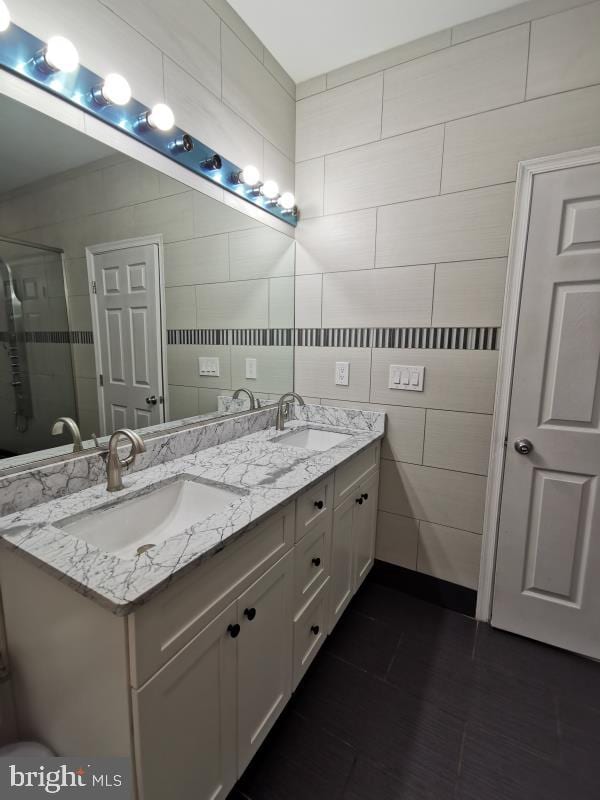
x=35, y=146
x=309, y=37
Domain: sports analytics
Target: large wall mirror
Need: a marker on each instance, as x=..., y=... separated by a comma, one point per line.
x=127, y=299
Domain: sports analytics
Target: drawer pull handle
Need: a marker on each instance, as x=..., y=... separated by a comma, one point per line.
x=359, y=500
x=316, y=562
x=319, y=504
x=250, y=613
x=315, y=629
x=365, y=496
x=233, y=630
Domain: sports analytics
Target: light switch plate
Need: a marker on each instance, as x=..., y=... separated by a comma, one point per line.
x=209, y=366
x=342, y=373
x=407, y=377
x=251, y=369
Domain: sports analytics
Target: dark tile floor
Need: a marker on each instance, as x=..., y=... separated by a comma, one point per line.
x=408, y=701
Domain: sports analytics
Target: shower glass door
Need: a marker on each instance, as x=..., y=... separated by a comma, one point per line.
x=36, y=371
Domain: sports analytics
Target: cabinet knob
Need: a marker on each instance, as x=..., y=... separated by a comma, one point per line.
x=233, y=630
x=365, y=496
x=315, y=629
x=319, y=504
x=316, y=562
x=359, y=500
x=250, y=613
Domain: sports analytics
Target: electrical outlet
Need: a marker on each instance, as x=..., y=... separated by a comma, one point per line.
x=209, y=366
x=342, y=373
x=251, y=369
x=407, y=377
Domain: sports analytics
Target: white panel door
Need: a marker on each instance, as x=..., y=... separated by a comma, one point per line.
x=264, y=655
x=130, y=341
x=185, y=720
x=547, y=583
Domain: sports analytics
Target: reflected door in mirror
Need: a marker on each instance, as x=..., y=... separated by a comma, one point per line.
x=128, y=332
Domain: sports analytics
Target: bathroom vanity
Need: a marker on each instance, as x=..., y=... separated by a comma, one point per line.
x=182, y=653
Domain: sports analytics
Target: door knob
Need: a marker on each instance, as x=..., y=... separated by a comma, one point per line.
x=316, y=562
x=319, y=504
x=523, y=446
x=250, y=613
x=233, y=630
x=152, y=400
x=315, y=629
x=359, y=500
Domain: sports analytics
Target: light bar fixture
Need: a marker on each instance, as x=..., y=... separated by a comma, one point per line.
x=4, y=16
x=110, y=99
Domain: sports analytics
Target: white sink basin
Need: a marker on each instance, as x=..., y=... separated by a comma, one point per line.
x=313, y=439
x=134, y=526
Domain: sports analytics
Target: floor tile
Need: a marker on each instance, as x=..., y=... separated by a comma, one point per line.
x=297, y=761
x=495, y=768
x=367, y=782
x=409, y=701
x=365, y=642
x=390, y=727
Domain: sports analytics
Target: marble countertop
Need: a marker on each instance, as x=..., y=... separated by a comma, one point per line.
x=266, y=474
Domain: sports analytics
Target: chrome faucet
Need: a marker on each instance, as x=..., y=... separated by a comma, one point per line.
x=66, y=422
x=281, y=414
x=114, y=464
x=238, y=392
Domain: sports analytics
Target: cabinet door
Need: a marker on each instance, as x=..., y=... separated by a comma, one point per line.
x=342, y=550
x=264, y=656
x=185, y=720
x=365, y=525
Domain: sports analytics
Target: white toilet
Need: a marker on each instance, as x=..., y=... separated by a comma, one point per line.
x=25, y=749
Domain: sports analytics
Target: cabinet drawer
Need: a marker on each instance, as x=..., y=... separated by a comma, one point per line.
x=310, y=630
x=313, y=505
x=348, y=476
x=312, y=557
x=161, y=627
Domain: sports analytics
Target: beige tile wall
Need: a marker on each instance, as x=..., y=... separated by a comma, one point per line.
x=405, y=173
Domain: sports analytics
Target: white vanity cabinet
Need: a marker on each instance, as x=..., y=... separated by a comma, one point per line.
x=190, y=683
x=184, y=719
x=264, y=667
x=354, y=528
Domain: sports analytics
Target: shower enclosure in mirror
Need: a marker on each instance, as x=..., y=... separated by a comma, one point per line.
x=128, y=298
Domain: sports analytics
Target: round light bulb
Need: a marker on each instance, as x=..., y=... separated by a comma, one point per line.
x=287, y=201
x=4, y=16
x=250, y=175
x=161, y=117
x=270, y=190
x=116, y=90
x=61, y=55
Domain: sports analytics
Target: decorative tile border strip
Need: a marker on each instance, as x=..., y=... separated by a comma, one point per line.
x=417, y=338
x=53, y=337
x=411, y=338
x=263, y=337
